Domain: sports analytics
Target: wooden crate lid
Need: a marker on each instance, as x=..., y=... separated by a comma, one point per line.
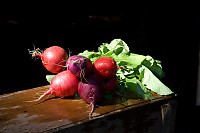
x=18, y=115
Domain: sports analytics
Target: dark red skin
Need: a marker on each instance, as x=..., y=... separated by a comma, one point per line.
x=111, y=84
x=79, y=65
x=54, y=59
x=92, y=89
x=105, y=67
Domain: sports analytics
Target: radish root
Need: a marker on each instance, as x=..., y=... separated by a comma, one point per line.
x=48, y=92
x=37, y=99
x=35, y=52
x=92, y=110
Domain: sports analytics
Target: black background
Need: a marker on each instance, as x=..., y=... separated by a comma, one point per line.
x=167, y=31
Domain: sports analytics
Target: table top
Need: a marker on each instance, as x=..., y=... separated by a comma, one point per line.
x=18, y=115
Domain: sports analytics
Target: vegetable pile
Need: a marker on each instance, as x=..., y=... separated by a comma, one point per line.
x=103, y=74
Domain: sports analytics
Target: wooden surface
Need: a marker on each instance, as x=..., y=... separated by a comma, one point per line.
x=52, y=114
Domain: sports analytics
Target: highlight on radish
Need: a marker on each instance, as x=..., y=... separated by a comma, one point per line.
x=63, y=84
x=53, y=58
x=91, y=90
x=105, y=67
x=79, y=65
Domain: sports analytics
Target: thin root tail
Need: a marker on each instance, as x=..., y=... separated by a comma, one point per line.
x=37, y=99
x=35, y=52
x=92, y=110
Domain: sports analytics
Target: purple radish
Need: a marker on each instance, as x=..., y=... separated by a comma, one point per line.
x=79, y=65
x=91, y=90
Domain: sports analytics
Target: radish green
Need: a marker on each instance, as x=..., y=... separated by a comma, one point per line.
x=136, y=73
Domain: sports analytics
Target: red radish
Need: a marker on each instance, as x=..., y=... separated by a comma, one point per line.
x=53, y=58
x=79, y=65
x=105, y=67
x=111, y=84
x=91, y=90
x=64, y=84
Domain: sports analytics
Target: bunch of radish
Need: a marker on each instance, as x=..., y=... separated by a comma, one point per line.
x=77, y=73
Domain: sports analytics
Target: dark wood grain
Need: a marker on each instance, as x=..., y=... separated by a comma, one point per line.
x=70, y=114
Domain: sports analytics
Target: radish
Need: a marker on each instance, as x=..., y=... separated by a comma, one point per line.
x=79, y=65
x=64, y=84
x=105, y=67
x=111, y=84
x=53, y=58
x=91, y=90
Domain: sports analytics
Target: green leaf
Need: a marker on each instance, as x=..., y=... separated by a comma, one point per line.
x=116, y=46
x=103, y=49
x=49, y=78
x=153, y=83
x=89, y=54
x=132, y=60
x=154, y=66
x=121, y=88
x=108, y=95
x=93, y=56
x=136, y=87
x=131, y=85
x=146, y=93
x=119, y=46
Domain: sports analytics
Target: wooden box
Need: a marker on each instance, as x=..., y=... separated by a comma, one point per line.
x=117, y=115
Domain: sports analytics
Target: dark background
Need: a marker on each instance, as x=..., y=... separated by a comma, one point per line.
x=167, y=31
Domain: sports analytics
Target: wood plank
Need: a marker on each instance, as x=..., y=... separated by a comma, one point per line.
x=50, y=113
